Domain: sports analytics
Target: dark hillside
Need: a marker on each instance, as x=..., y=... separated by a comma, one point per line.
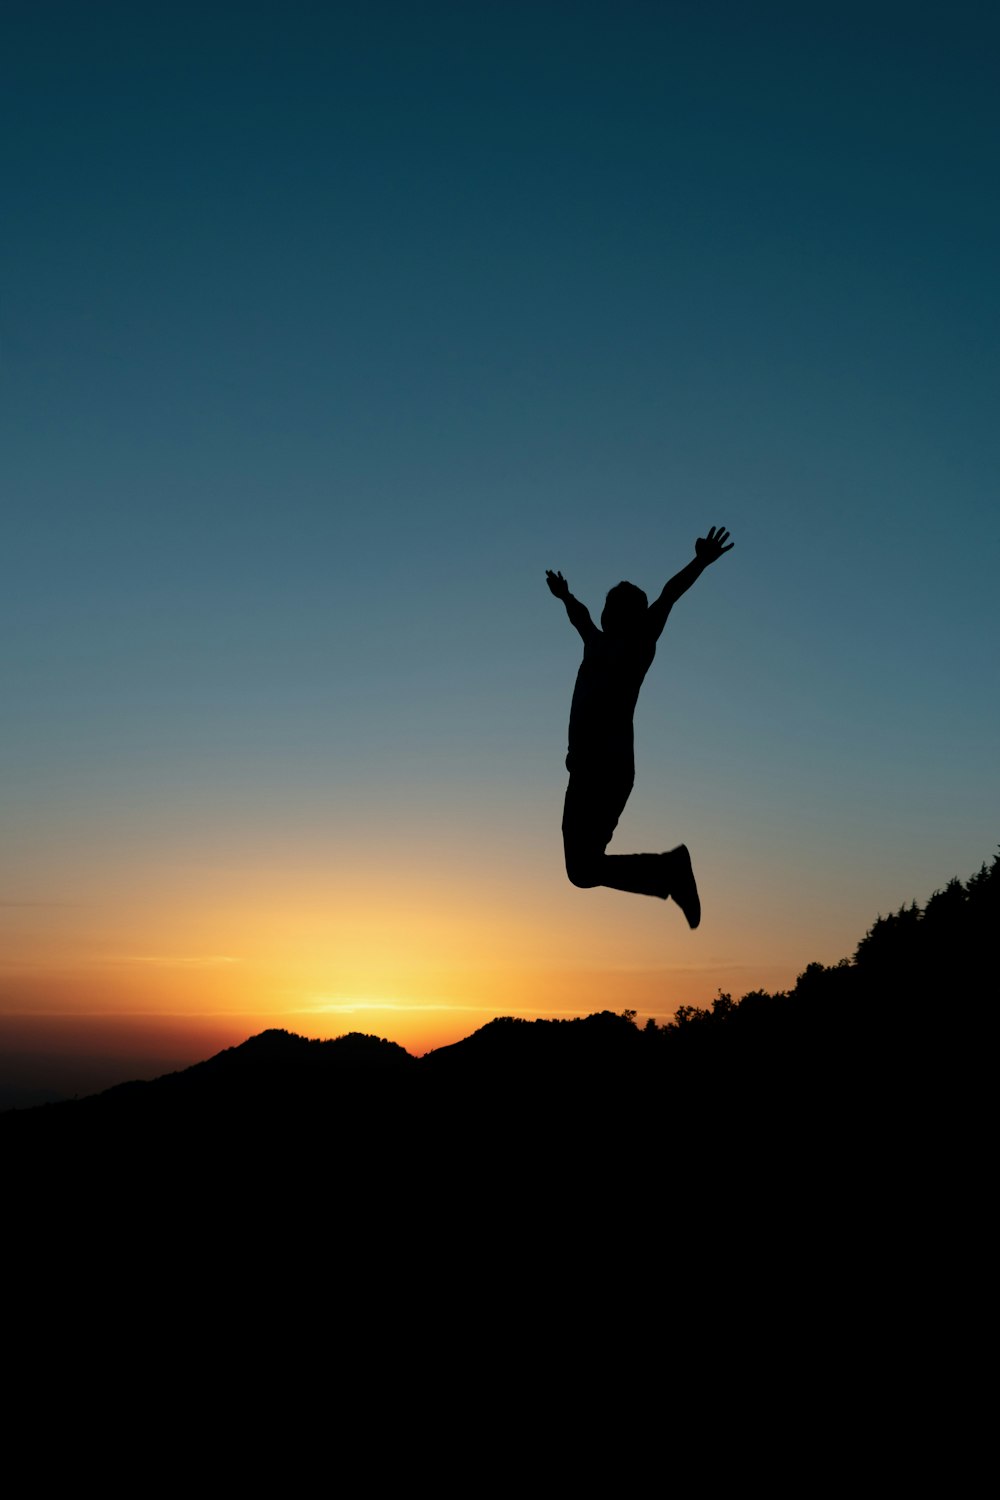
x=847, y=1046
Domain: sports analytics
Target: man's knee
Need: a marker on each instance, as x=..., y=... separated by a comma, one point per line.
x=582, y=870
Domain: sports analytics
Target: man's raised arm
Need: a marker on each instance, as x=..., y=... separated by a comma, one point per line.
x=707, y=549
x=579, y=614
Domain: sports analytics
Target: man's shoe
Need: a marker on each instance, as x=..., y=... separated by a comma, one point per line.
x=683, y=886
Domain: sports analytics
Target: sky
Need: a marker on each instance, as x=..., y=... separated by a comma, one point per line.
x=326, y=329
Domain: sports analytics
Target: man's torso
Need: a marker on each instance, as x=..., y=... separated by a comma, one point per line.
x=604, y=698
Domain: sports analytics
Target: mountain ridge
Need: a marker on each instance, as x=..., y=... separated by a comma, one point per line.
x=855, y=1024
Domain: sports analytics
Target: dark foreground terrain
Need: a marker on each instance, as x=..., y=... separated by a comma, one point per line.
x=772, y=1106
x=748, y=1231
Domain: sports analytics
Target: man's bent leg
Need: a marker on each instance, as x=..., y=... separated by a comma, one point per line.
x=595, y=799
x=590, y=816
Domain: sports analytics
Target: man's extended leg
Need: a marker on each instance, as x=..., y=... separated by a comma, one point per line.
x=595, y=799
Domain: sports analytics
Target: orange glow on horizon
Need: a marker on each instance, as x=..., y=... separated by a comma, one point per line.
x=176, y=969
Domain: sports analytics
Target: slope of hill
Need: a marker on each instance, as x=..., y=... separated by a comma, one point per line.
x=847, y=1032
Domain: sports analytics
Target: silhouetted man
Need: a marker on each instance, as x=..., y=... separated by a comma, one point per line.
x=601, y=761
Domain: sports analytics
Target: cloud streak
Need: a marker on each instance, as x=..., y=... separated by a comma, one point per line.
x=172, y=960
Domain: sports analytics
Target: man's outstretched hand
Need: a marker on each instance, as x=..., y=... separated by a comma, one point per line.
x=708, y=549
x=557, y=584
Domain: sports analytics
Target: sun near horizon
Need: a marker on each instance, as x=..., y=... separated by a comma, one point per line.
x=153, y=970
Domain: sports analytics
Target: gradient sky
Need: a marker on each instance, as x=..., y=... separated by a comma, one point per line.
x=325, y=330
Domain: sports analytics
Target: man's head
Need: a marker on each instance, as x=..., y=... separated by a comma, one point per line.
x=624, y=609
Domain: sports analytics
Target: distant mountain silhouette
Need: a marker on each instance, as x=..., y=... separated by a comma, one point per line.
x=514, y=1041
x=274, y=1061
x=849, y=1032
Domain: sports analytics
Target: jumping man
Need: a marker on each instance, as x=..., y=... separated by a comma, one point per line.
x=601, y=761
